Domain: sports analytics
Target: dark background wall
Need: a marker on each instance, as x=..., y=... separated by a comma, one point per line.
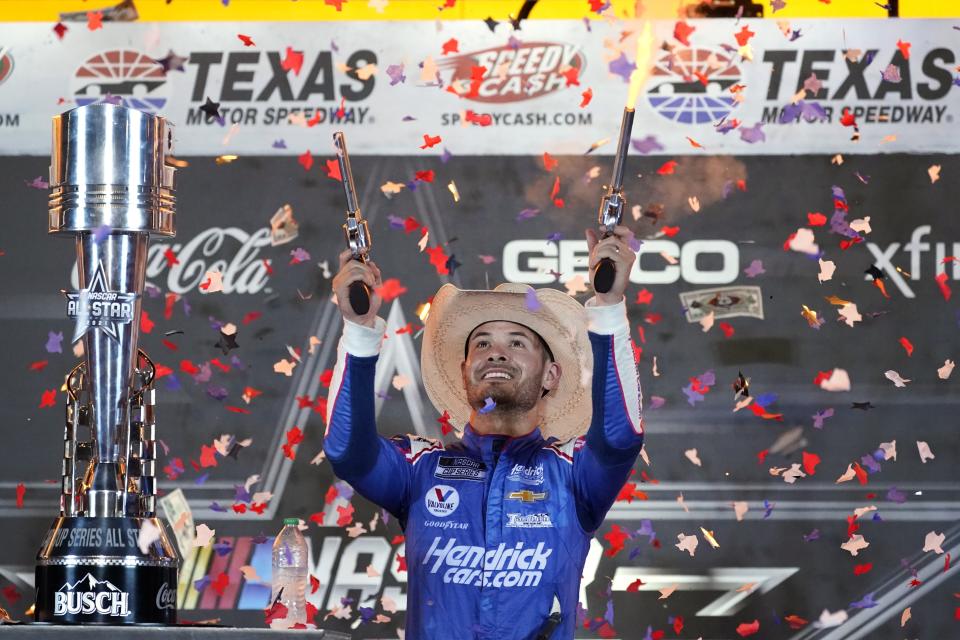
x=780, y=354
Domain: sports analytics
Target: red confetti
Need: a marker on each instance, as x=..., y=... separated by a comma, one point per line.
x=904, y=48
x=208, y=456
x=60, y=29
x=294, y=437
x=246, y=40
x=237, y=409
x=48, y=399
x=401, y=562
x=333, y=169
x=21, y=490
x=745, y=629
x=816, y=219
x=94, y=20
x=451, y=46
x=810, y=462
x=727, y=329
x=942, y=283
x=682, y=32
x=326, y=377
x=847, y=118
x=481, y=119
x=305, y=160
x=445, y=426
x=666, y=169
x=861, y=569
x=277, y=611
x=549, y=163
x=586, y=96
x=796, y=622
x=616, y=538
x=189, y=368
x=292, y=61
x=572, y=76
x=678, y=625
x=38, y=365
x=146, y=324
x=344, y=515
x=762, y=456
x=439, y=259
x=240, y=508
x=424, y=176
x=634, y=586
x=430, y=141
x=391, y=289
x=743, y=36
x=907, y=346
x=670, y=231
x=314, y=584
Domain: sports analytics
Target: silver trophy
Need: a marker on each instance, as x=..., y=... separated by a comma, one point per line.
x=111, y=187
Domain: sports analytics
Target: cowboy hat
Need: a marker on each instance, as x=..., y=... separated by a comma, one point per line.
x=559, y=319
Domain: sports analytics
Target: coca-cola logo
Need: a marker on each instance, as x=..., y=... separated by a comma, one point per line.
x=231, y=251
x=166, y=597
x=531, y=70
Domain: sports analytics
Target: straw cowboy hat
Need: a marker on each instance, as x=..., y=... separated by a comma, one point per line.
x=559, y=319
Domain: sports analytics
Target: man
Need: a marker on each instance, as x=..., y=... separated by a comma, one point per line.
x=497, y=524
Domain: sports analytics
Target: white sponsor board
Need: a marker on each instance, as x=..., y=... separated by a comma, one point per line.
x=392, y=84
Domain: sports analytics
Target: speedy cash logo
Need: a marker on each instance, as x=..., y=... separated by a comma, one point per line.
x=133, y=77
x=691, y=85
x=505, y=74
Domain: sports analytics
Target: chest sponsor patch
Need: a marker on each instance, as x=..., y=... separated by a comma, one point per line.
x=455, y=468
x=529, y=520
x=527, y=496
x=526, y=475
x=441, y=500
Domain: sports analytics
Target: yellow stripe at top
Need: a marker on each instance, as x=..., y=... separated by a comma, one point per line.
x=320, y=10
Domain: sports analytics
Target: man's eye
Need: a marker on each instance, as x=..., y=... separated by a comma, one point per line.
x=518, y=343
x=480, y=343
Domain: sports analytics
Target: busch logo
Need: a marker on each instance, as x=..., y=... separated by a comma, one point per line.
x=100, y=597
x=527, y=475
x=243, y=272
x=504, y=74
x=166, y=597
x=501, y=567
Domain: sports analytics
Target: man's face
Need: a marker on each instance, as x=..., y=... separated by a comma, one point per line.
x=507, y=362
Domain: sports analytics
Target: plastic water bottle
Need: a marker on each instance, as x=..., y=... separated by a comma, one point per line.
x=290, y=573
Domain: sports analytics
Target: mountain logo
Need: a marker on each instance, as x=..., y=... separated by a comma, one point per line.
x=89, y=596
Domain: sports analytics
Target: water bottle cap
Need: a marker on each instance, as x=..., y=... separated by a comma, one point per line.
x=294, y=521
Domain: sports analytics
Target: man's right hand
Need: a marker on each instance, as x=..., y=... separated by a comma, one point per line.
x=352, y=271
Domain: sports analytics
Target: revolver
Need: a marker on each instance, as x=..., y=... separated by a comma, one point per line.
x=355, y=228
x=613, y=204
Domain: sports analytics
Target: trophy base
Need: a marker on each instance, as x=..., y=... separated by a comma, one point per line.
x=92, y=571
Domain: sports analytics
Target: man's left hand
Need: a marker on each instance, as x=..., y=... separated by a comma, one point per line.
x=617, y=248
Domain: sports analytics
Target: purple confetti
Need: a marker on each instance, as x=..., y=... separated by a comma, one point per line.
x=755, y=269
x=204, y=374
x=896, y=496
x=622, y=67
x=54, y=342
x=223, y=548
x=526, y=214
x=279, y=144
x=240, y=494
x=395, y=72
x=813, y=535
x=647, y=145
x=656, y=402
x=202, y=583
x=445, y=156
x=299, y=255
x=866, y=603
x=201, y=479
x=100, y=233
x=217, y=392
x=533, y=304
x=215, y=506
x=173, y=383
x=753, y=134
x=891, y=73
x=37, y=183
x=820, y=417
x=693, y=397
x=344, y=490
x=488, y=406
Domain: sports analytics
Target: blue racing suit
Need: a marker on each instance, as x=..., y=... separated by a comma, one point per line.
x=497, y=528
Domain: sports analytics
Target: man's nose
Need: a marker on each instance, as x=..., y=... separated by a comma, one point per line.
x=496, y=356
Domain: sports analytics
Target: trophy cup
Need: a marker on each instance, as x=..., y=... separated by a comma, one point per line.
x=111, y=187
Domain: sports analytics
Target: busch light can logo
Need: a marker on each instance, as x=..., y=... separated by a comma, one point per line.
x=442, y=500
x=89, y=596
x=97, y=307
x=692, y=85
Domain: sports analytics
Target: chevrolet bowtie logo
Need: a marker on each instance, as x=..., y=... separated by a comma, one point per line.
x=526, y=495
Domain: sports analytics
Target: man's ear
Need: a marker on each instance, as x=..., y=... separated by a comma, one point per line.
x=551, y=375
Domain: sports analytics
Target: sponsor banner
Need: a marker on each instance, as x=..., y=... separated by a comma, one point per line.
x=737, y=87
